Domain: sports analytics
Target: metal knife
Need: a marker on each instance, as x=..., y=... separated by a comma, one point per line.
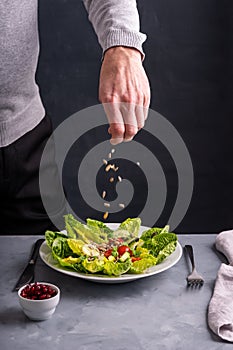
x=27, y=275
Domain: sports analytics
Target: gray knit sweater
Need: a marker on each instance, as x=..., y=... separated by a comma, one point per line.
x=116, y=22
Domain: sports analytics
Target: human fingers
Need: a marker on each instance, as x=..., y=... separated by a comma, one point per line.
x=139, y=113
x=116, y=123
x=130, y=120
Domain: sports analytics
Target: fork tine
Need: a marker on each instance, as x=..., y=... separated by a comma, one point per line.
x=194, y=279
x=195, y=282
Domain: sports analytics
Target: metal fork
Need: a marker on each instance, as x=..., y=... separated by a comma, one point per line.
x=194, y=279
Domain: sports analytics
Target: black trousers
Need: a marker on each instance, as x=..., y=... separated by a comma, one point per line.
x=21, y=207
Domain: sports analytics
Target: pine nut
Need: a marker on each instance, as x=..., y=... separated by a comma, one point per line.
x=105, y=161
x=121, y=205
x=119, y=178
x=108, y=167
x=107, y=205
x=110, y=155
x=138, y=163
x=111, y=179
x=104, y=194
x=105, y=215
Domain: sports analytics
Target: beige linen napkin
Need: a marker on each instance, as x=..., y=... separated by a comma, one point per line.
x=220, y=311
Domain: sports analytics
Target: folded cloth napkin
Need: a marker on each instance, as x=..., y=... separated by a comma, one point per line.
x=220, y=310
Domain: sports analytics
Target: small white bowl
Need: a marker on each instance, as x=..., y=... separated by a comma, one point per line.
x=39, y=310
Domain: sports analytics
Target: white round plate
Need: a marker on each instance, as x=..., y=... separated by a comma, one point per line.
x=171, y=260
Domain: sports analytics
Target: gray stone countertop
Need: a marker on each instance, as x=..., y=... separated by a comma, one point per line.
x=157, y=312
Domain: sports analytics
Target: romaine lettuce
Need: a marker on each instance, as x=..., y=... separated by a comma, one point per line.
x=83, y=232
x=158, y=243
x=61, y=248
x=100, y=227
x=69, y=223
x=72, y=263
x=141, y=265
x=93, y=266
x=132, y=226
x=68, y=262
x=50, y=236
x=116, y=268
x=75, y=245
x=83, y=248
x=166, y=251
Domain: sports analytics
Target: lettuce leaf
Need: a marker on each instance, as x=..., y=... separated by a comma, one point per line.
x=158, y=243
x=165, y=229
x=100, y=227
x=143, y=264
x=166, y=251
x=83, y=232
x=68, y=262
x=128, y=229
x=132, y=226
x=61, y=248
x=72, y=263
x=148, y=234
x=93, y=266
x=50, y=236
x=116, y=268
x=75, y=245
x=69, y=223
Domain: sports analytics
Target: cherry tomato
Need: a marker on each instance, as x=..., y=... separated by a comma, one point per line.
x=124, y=248
x=135, y=259
x=108, y=253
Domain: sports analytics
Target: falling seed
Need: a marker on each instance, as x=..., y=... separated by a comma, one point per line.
x=108, y=167
x=121, y=205
x=105, y=161
x=107, y=205
x=111, y=179
x=110, y=155
x=138, y=163
x=113, y=150
x=104, y=194
x=105, y=215
x=119, y=178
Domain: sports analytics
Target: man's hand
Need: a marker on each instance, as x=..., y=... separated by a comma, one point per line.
x=124, y=91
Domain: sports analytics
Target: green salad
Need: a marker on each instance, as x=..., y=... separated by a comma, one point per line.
x=95, y=248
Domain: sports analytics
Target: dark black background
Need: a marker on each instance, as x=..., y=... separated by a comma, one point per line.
x=189, y=61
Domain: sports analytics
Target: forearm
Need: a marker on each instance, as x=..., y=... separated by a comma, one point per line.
x=116, y=23
x=124, y=88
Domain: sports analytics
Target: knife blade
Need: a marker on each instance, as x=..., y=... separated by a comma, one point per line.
x=27, y=275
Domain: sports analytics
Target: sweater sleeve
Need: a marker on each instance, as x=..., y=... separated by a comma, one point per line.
x=116, y=23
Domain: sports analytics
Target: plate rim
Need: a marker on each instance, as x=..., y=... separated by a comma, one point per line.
x=113, y=279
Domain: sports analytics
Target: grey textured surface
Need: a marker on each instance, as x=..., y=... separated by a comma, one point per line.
x=157, y=312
